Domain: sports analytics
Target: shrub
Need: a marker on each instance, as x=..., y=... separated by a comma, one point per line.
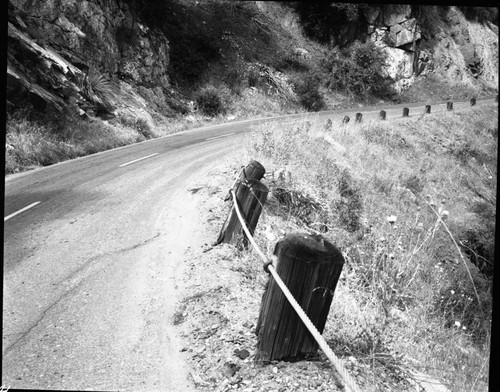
x=358, y=71
x=210, y=102
x=308, y=93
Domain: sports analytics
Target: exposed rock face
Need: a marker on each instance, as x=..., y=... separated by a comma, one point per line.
x=465, y=51
x=82, y=52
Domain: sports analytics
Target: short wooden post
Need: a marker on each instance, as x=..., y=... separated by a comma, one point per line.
x=449, y=105
x=427, y=109
x=359, y=117
x=406, y=112
x=345, y=120
x=251, y=195
x=382, y=114
x=310, y=267
x=473, y=102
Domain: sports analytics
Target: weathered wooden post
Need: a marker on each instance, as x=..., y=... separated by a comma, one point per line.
x=473, y=101
x=345, y=120
x=310, y=267
x=251, y=195
x=382, y=114
x=449, y=105
x=359, y=117
x=427, y=109
x=406, y=112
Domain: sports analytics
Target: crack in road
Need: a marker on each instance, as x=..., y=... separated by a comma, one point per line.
x=75, y=286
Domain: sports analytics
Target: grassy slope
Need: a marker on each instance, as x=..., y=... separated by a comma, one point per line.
x=406, y=299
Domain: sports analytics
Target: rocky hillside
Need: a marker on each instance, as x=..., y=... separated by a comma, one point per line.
x=152, y=63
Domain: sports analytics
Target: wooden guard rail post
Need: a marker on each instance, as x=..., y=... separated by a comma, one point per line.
x=359, y=117
x=251, y=195
x=449, y=106
x=406, y=112
x=310, y=267
x=427, y=109
x=382, y=114
x=473, y=101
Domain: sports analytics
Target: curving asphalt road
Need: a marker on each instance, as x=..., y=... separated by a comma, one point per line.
x=93, y=252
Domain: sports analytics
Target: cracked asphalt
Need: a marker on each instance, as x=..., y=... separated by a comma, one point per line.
x=91, y=273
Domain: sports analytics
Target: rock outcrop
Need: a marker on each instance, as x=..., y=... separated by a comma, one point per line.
x=463, y=51
x=84, y=55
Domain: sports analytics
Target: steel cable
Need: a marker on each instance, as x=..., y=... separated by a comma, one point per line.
x=348, y=380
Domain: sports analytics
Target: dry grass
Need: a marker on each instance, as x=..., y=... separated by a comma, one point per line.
x=400, y=198
x=31, y=144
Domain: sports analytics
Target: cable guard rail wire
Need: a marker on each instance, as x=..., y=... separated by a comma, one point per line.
x=269, y=267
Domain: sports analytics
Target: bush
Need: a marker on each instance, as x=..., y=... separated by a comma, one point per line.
x=358, y=71
x=210, y=102
x=308, y=93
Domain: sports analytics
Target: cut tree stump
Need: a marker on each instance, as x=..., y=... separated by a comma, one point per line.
x=382, y=114
x=310, y=267
x=251, y=195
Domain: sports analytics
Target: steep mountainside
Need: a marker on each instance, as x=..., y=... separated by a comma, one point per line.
x=148, y=64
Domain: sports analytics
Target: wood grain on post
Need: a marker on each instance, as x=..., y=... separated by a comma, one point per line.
x=406, y=112
x=382, y=114
x=310, y=267
x=427, y=109
x=251, y=195
x=359, y=117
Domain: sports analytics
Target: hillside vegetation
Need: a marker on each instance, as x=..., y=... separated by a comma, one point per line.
x=411, y=203
x=96, y=75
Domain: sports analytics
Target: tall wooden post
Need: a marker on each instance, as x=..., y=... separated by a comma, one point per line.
x=359, y=117
x=473, y=101
x=345, y=120
x=251, y=195
x=406, y=112
x=449, y=105
x=427, y=109
x=310, y=267
x=382, y=114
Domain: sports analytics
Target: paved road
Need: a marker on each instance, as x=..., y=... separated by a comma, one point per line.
x=92, y=251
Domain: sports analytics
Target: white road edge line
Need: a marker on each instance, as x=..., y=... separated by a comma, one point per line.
x=218, y=137
x=21, y=210
x=137, y=160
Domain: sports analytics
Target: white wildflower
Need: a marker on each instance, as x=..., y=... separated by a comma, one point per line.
x=392, y=219
x=457, y=323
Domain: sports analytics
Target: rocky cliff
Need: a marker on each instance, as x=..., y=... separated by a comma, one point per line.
x=455, y=48
x=104, y=58
x=91, y=56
